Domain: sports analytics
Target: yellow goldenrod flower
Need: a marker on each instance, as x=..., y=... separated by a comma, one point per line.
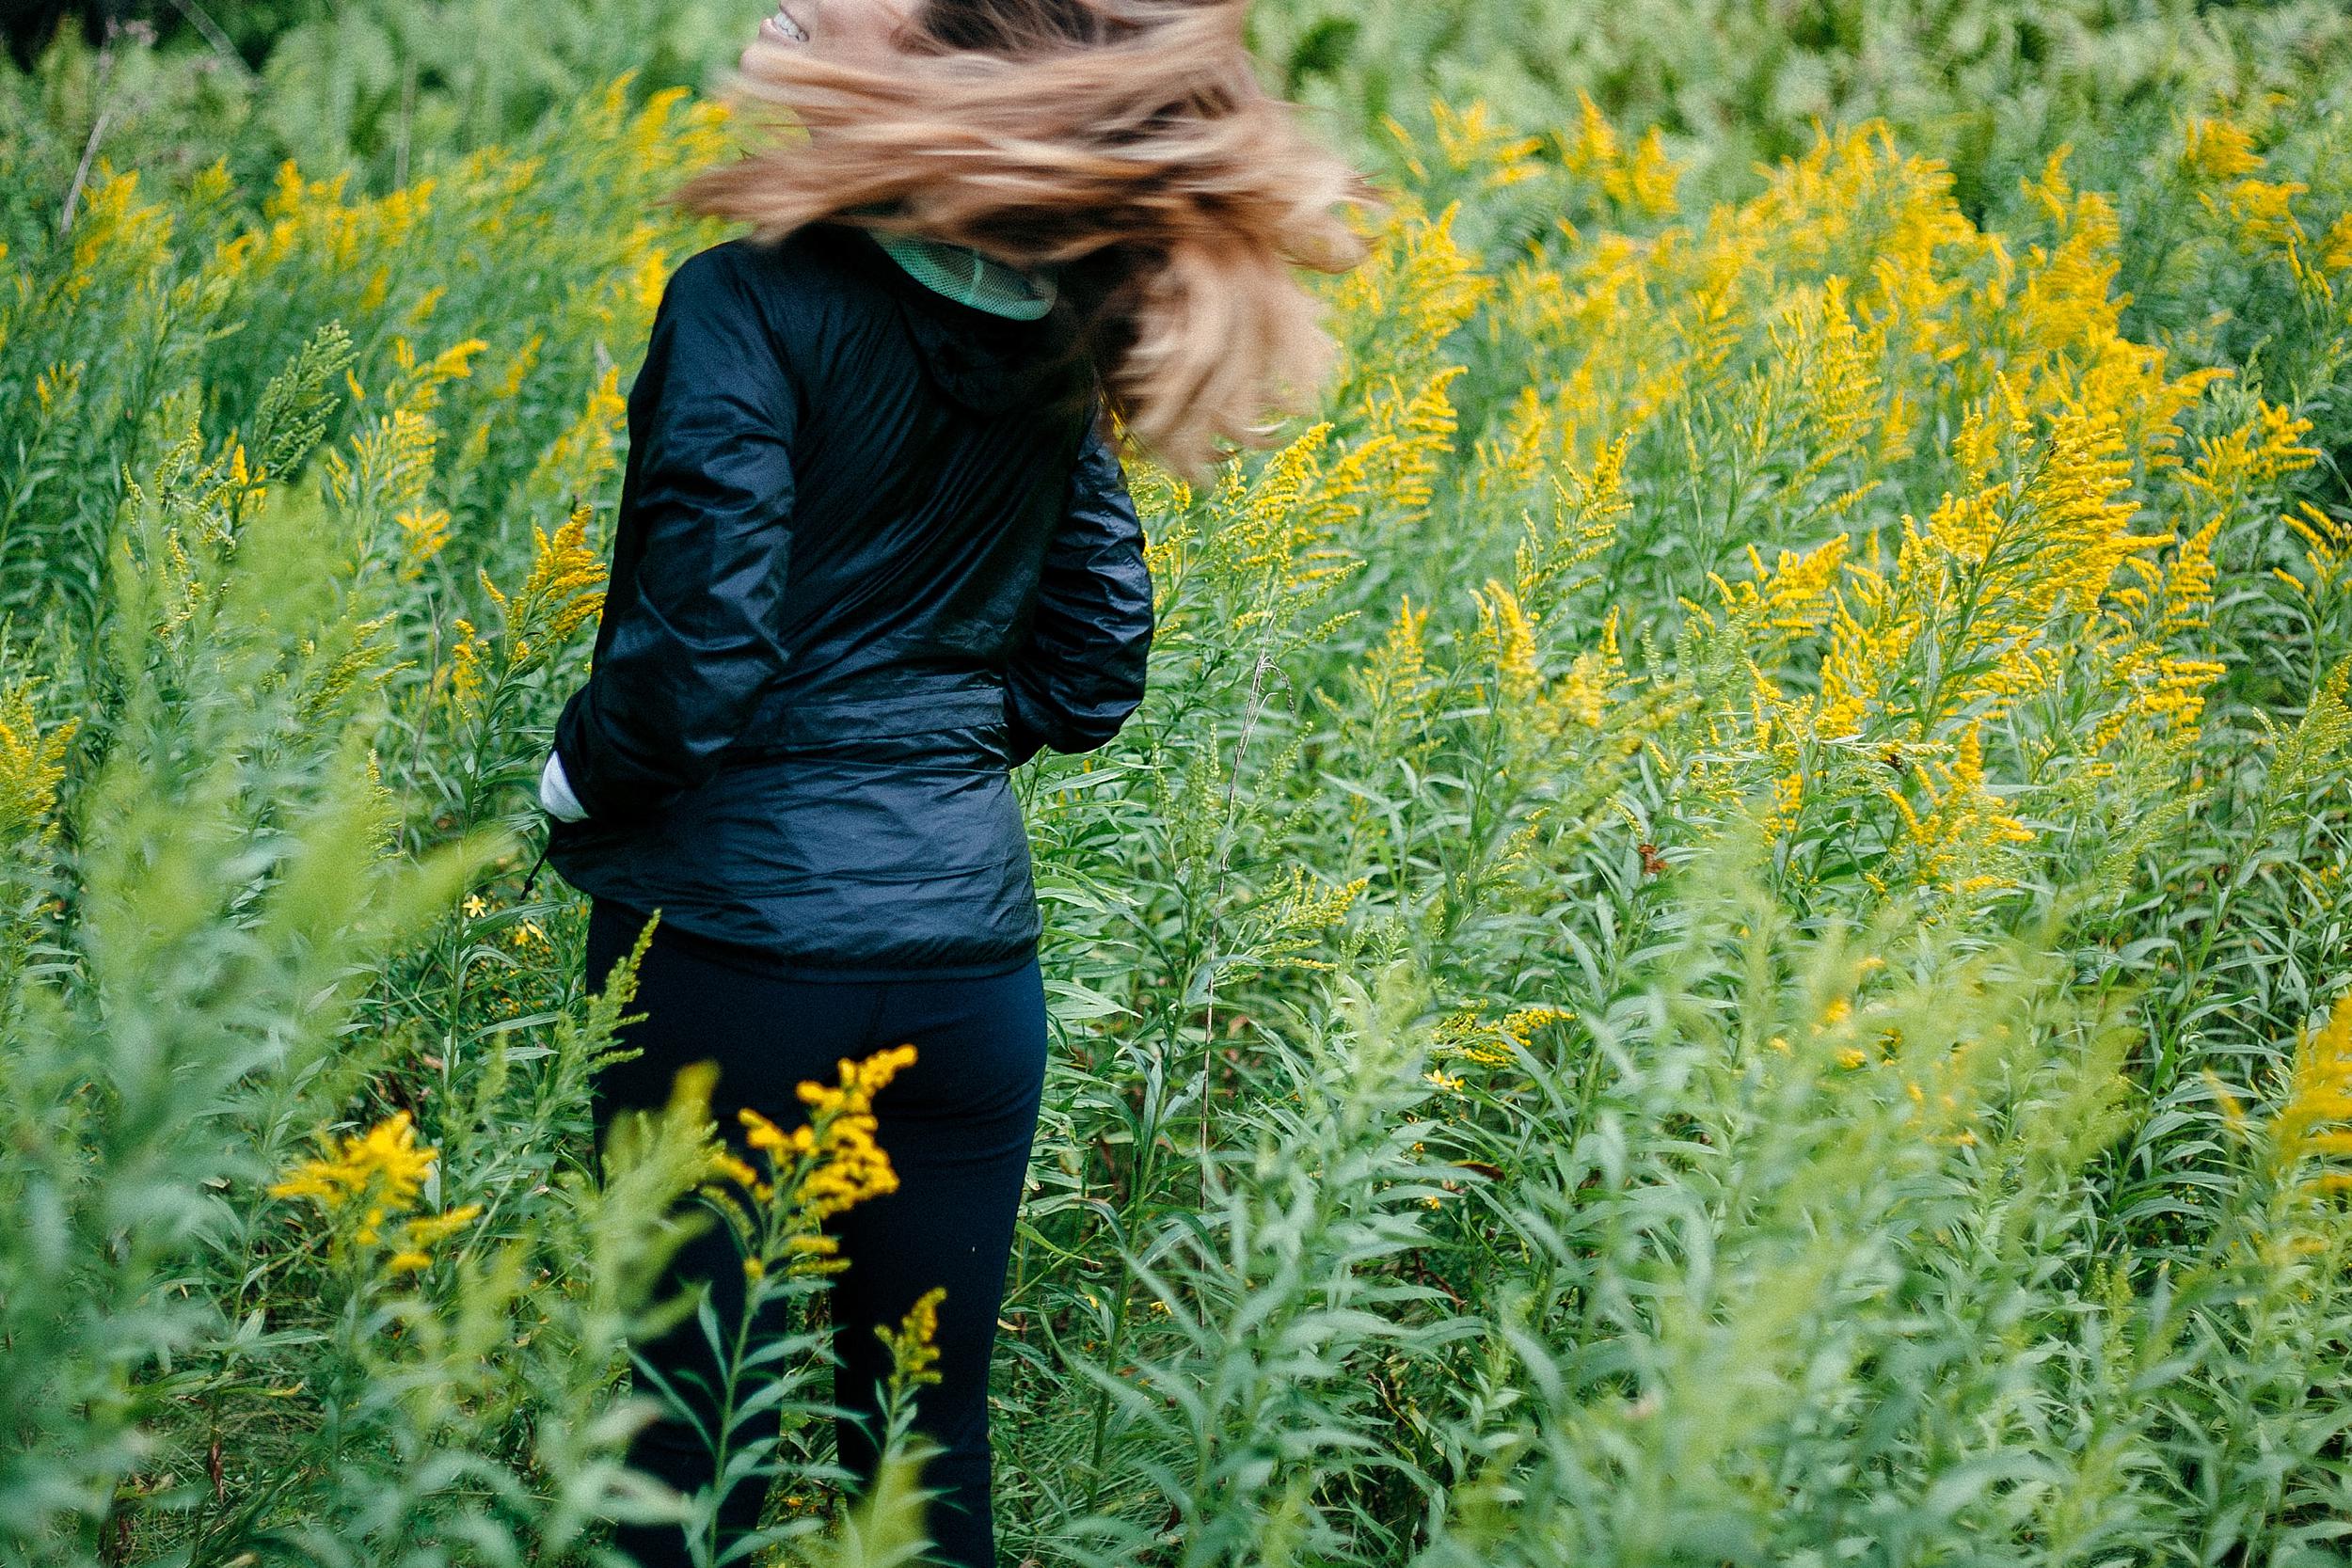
x=383, y=1163
x=1471, y=139
x=465, y=665
x=588, y=449
x=426, y=532
x=565, y=585
x=2217, y=149
x=432, y=1229
x=31, y=763
x=2335, y=246
x=913, y=1347
x=1523, y=1023
x=2265, y=209
x=2329, y=547
x=2313, y=1122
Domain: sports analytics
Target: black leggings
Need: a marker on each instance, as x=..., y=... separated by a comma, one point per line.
x=957, y=1127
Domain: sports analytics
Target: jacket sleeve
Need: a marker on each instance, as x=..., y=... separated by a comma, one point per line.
x=1081, y=672
x=682, y=669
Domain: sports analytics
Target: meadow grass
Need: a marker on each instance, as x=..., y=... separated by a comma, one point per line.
x=1723, y=938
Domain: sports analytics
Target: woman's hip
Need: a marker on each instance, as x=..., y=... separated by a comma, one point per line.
x=980, y=1041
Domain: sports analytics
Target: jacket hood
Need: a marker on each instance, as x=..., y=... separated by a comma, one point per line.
x=970, y=277
x=988, y=363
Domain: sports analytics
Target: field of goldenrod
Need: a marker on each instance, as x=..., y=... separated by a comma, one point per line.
x=1723, y=938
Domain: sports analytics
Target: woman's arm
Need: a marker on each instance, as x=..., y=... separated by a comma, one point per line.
x=682, y=670
x=1081, y=673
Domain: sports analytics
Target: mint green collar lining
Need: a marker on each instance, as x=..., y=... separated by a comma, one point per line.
x=968, y=277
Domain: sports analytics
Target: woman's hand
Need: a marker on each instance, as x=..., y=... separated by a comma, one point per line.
x=555, y=792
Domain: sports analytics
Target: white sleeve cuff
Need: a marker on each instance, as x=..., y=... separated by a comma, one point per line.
x=555, y=792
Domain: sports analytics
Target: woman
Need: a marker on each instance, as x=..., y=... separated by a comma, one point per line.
x=875, y=548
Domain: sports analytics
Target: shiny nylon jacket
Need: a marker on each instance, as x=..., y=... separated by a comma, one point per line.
x=873, y=551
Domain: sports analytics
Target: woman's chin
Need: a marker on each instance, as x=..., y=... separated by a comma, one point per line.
x=765, y=47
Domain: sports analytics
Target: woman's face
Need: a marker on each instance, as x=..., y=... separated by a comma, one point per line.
x=853, y=32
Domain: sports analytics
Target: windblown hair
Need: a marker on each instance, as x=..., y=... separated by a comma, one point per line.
x=1127, y=143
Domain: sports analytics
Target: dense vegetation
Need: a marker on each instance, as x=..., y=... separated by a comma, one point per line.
x=1723, y=938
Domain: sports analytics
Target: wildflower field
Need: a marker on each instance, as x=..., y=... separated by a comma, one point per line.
x=1723, y=938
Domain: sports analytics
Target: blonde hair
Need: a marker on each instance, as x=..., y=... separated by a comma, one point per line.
x=1127, y=143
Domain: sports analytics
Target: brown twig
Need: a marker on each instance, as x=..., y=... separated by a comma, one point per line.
x=139, y=32
x=89, y=152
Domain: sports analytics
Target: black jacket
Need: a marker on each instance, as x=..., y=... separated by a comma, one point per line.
x=872, y=552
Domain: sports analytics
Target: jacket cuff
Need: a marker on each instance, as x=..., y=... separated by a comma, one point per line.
x=590, y=767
